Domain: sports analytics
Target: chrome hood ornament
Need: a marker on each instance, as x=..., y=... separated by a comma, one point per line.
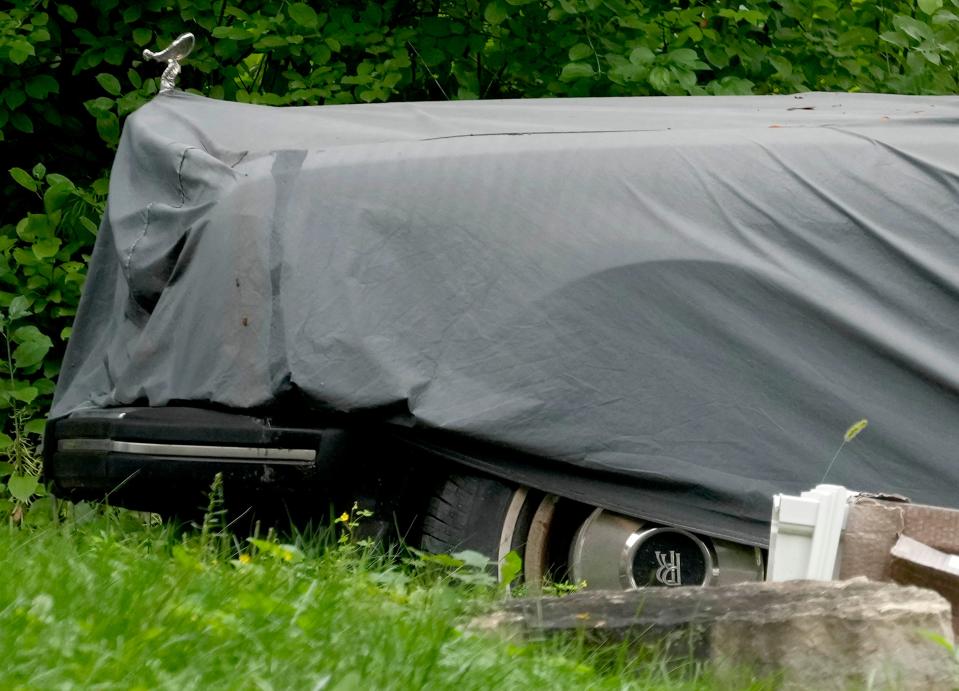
x=171, y=55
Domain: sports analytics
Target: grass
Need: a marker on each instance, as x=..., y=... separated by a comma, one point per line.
x=108, y=601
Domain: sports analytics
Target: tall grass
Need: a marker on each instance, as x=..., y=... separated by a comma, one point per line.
x=101, y=605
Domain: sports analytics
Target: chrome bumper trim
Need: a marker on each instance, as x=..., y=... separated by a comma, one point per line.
x=234, y=454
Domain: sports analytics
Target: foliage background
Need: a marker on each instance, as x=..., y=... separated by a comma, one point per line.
x=69, y=74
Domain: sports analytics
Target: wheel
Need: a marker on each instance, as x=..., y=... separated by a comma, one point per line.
x=560, y=539
x=479, y=513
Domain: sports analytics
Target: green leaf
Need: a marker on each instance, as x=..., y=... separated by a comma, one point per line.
x=684, y=57
x=686, y=78
x=39, y=171
x=22, y=487
x=931, y=55
x=782, y=65
x=234, y=33
x=716, y=55
x=268, y=42
x=472, y=559
x=731, y=86
x=115, y=55
x=35, y=226
x=929, y=6
x=21, y=122
x=46, y=248
x=129, y=102
x=40, y=86
x=913, y=28
x=896, y=38
x=659, y=78
x=627, y=72
x=495, y=13
x=19, y=307
x=23, y=178
x=19, y=50
x=31, y=353
x=26, y=334
x=89, y=225
x=321, y=55
x=6, y=441
x=57, y=195
x=576, y=70
x=5, y=467
x=65, y=333
x=67, y=12
x=14, y=97
x=109, y=83
x=444, y=560
x=99, y=106
x=303, y=14
x=56, y=179
x=23, y=257
x=641, y=56
x=41, y=513
x=25, y=394
x=580, y=51
x=108, y=126
x=35, y=426
x=510, y=568
x=945, y=17
x=33, y=346
x=142, y=36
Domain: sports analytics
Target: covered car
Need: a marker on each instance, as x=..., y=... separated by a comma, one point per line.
x=667, y=308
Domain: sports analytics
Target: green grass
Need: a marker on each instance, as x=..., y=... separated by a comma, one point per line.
x=111, y=603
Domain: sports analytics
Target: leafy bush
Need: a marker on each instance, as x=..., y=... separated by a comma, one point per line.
x=71, y=73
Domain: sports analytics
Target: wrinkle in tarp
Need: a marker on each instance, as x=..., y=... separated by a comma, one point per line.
x=677, y=304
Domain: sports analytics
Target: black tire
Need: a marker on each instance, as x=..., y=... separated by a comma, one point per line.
x=466, y=512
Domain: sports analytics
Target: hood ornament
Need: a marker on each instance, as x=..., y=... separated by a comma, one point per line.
x=171, y=55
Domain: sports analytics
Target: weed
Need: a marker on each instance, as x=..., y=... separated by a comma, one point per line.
x=214, y=536
x=850, y=434
x=945, y=643
x=350, y=523
x=20, y=473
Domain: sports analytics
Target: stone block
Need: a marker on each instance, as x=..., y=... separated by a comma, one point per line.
x=810, y=634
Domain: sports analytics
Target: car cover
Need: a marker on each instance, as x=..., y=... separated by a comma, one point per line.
x=688, y=298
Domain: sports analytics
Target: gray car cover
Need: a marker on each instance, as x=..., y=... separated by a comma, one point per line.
x=690, y=299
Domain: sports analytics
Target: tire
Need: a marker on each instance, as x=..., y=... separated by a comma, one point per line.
x=467, y=512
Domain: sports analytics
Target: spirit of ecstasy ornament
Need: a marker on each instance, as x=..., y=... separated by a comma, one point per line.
x=171, y=55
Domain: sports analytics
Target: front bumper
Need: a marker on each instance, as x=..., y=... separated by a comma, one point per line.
x=165, y=459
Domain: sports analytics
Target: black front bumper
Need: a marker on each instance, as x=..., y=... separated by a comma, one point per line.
x=165, y=459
